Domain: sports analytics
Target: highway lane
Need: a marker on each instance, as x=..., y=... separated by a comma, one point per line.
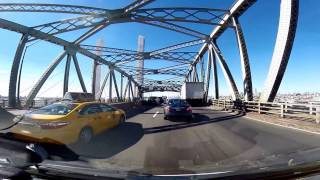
x=147, y=142
x=212, y=141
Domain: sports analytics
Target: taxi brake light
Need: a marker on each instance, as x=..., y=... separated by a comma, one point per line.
x=53, y=125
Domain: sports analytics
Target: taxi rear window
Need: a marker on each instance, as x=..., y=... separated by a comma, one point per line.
x=56, y=109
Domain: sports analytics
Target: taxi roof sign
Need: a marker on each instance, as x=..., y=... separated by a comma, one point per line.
x=78, y=96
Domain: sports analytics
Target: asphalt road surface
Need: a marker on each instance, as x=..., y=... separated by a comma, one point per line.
x=147, y=142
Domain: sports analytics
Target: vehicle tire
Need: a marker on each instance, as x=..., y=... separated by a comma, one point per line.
x=165, y=117
x=85, y=135
x=190, y=119
x=122, y=120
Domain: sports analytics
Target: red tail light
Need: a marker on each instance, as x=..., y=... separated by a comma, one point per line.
x=189, y=109
x=168, y=108
x=53, y=125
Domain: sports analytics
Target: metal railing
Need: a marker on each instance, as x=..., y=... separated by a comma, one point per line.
x=296, y=110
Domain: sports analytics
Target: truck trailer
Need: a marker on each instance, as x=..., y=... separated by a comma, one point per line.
x=193, y=92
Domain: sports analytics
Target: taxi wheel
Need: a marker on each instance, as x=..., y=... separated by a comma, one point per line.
x=122, y=119
x=85, y=135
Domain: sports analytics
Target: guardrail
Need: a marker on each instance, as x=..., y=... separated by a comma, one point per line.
x=303, y=111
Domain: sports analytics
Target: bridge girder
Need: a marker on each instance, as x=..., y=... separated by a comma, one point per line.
x=168, y=18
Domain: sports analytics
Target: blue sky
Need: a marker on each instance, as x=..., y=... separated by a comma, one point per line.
x=259, y=24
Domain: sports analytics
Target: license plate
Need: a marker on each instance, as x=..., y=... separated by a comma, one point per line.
x=178, y=109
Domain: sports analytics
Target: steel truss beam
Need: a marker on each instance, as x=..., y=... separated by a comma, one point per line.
x=208, y=75
x=72, y=24
x=136, y=5
x=50, y=8
x=244, y=59
x=107, y=49
x=116, y=86
x=183, y=57
x=14, y=72
x=226, y=72
x=103, y=85
x=77, y=67
x=235, y=11
x=5, y=24
x=121, y=87
x=110, y=85
x=66, y=75
x=176, y=28
x=43, y=78
x=123, y=55
x=213, y=63
x=289, y=11
x=194, y=15
x=174, y=70
x=178, y=46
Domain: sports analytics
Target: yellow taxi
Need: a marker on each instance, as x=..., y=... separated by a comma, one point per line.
x=67, y=122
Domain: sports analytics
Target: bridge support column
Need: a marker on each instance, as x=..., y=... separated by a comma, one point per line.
x=110, y=85
x=43, y=78
x=212, y=58
x=121, y=87
x=202, y=75
x=115, y=85
x=289, y=11
x=66, y=75
x=77, y=67
x=208, y=76
x=103, y=85
x=244, y=58
x=227, y=74
x=126, y=90
x=13, y=91
x=195, y=74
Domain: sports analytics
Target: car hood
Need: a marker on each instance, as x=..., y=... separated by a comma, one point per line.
x=267, y=166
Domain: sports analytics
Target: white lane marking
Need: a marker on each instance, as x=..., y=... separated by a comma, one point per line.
x=297, y=129
x=155, y=114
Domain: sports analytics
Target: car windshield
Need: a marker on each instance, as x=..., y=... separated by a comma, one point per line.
x=55, y=109
x=177, y=102
x=161, y=87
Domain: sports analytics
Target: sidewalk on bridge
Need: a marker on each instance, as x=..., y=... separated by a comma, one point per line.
x=303, y=124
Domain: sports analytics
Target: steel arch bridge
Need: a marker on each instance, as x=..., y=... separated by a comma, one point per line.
x=96, y=19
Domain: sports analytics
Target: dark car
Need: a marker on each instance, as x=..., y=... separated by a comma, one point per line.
x=177, y=108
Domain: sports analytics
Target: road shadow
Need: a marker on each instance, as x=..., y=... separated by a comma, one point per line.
x=198, y=120
x=138, y=109
x=111, y=142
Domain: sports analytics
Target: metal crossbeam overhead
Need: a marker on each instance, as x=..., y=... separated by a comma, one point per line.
x=72, y=24
x=136, y=5
x=117, y=55
x=174, y=72
x=176, y=28
x=193, y=15
x=107, y=49
x=178, y=46
x=176, y=56
x=50, y=8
